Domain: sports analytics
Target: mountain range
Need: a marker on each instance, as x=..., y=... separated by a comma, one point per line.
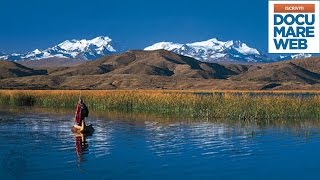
x=212, y=50
x=71, y=49
x=161, y=69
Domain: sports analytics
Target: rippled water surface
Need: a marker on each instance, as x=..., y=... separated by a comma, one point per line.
x=39, y=144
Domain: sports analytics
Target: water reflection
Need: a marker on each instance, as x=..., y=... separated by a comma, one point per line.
x=81, y=147
x=165, y=139
x=102, y=141
x=209, y=139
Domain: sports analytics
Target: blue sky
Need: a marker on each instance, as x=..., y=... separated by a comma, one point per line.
x=135, y=24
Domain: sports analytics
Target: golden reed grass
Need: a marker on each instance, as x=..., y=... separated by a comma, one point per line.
x=245, y=105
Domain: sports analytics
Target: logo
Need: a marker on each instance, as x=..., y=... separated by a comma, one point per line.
x=294, y=26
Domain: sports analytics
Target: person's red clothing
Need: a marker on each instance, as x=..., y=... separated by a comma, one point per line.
x=77, y=118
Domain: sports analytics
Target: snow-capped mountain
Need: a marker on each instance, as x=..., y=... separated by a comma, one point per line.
x=214, y=50
x=293, y=56
x=2, y=56
x=74, y=49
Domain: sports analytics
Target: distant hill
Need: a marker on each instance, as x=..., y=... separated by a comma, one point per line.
x=296, y=71
x=312, y=63
x=161, y=69
x=158, y=63
x=11, y=69
x=51, y=63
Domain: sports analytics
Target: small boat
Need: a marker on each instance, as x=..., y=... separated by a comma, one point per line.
x=82, y=129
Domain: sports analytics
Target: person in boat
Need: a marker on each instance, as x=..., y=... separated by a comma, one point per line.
x=81, y=113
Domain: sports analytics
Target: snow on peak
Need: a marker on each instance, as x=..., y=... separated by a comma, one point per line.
x=82, y=45
x=294, y=56
x=3, y=56
x=301, y=56
x=101, y=41
x=76, y=49
x=244, y=48
x=207, y=44
x=212, y=50
x=164, y=45
x=36, y=51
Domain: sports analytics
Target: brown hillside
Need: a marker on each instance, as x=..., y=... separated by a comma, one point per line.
x=51, y=63
x=159, y=63
x=312, y=64
x=10, y=69
x=164, y=70
x=282, y=72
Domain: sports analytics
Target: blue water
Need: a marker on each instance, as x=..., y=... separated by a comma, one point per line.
x=40, y=145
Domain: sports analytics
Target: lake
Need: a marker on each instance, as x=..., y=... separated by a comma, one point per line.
x=38, y=144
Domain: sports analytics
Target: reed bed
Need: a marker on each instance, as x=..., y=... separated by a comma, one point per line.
x=243, y=105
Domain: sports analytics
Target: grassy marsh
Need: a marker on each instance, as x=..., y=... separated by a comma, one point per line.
x=244, y=105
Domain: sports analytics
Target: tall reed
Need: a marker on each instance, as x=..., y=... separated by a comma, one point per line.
x=189, y=104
